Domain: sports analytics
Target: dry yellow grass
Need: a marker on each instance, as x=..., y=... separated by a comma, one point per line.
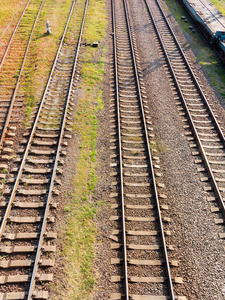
x=80, y=233
x=220, y=5
x=10, y=11
x=42, y=50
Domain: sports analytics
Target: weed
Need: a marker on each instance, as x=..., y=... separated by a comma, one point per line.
x=81, y=232
x=136, y=152
x=220, y=5
x=136, y=138
x=42, y=52
x=66, y=208
x=101, y=203
x=159, y=146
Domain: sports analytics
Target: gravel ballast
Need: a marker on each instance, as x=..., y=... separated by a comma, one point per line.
x=194, y=234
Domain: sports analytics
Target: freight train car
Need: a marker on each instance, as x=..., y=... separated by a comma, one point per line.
x=210, y=20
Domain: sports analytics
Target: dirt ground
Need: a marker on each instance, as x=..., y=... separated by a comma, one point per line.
x=195, y=236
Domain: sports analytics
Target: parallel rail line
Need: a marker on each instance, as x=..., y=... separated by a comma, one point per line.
x=205, y=127
x=208, y=38
x=11, y=68
x=13, y=33
x=146, y=267
x=28, y=202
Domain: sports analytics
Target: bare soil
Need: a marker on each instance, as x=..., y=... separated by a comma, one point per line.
x=194, y=233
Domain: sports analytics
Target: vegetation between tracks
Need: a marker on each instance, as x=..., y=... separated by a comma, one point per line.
x=10, y=13
x=204, y=56
x=80, y=234
x=42, y=51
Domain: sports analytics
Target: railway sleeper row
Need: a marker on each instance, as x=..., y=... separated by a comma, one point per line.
x=137, y=215
x=30, y=188
x=12, y=65
x=137, y=185
x=203, y=130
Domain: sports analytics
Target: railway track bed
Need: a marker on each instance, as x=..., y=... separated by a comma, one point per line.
x=165, y=110
x=153, y=180
x=145, y=270
x=30, y=188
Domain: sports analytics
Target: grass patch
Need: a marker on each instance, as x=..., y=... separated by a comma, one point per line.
x=20, y=38
x=10, y=14
x=136, y=138
x=204, y=55
x=42, y=51
x=96, y=20
x=220, y=5
x=80, y=233
x=159, y=146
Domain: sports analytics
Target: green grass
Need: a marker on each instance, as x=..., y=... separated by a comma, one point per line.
x=97, y=22
x=10, y=12
x=159, y=146
x=204, y=56
x=42, y=51
x=80, y=234
x=220, y=5
x=20, y=38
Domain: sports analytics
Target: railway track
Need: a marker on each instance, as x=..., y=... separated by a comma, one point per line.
x=140, y=235
x=208, y=38
x=11, y=68
x=9, y=31
x=29, y=195
x=206, y=133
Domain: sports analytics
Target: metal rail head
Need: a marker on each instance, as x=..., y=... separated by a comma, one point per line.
x=7, y=48
x=149, y=155
x=152, y=170
x=126, y=290
x=206, y=163
x=38, y=253
x=191, y=73
x=9, y=205
x=211, y=13
x=9, y=113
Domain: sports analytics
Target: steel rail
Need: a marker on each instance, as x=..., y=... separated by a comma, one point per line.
x=165, y=254
x=192, y=75
x=152, y=170
x=7, y=48
x=126, y=290
x=202, y=151
x=9, y=204
x=38, y=253
x=9, y=112
x=207, y=37
x=212, y=13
